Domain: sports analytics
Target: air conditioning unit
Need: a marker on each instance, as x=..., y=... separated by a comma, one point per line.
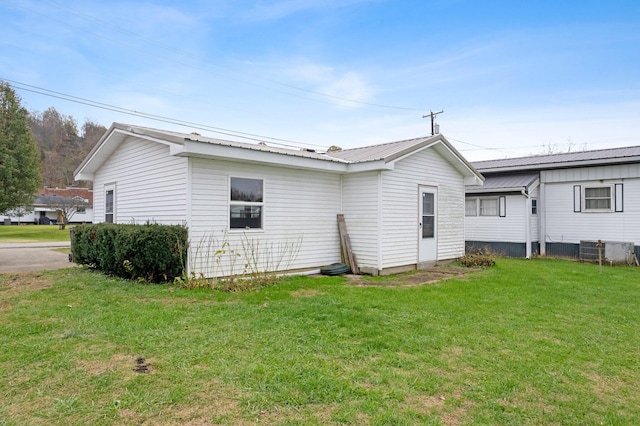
x=589, y=250
x=612, y=251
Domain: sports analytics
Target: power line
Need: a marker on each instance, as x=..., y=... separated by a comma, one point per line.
x=184, y=123
x=187, y=54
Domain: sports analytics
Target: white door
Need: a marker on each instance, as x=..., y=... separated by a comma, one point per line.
x=427, y=235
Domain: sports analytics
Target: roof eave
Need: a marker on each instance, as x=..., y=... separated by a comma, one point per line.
x=563, y=165
x=225, y=152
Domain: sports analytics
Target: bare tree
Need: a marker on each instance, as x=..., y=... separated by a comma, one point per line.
x=65, y=206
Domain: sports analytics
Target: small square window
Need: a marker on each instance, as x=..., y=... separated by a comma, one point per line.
x=597, y=198
x=488, y=207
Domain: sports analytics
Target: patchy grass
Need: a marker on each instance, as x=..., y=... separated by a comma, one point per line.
x=525, y=342
x=32, y=234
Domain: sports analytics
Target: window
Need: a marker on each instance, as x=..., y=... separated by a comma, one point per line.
x=534, y=206
x=109, y=203
x=597, y=198
x=470, y=208
x=81, y=210
x=246, y=203
x=488, y=207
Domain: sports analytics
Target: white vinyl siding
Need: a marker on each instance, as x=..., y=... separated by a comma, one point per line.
x=151, y=185
x=400, y=221
x=563, y=225
x=361, y=208
x=300, y=208
x=510, y=228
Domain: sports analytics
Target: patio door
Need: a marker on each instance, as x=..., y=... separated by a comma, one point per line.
x=427, y=235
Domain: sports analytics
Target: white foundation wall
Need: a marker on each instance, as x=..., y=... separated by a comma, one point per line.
x=150, y=184
x=300, y=219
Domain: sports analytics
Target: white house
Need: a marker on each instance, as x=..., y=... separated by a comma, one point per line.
x=557, y=205
x=49, y=205
x=403, y=202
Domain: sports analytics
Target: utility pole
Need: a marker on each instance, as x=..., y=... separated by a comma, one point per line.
x=433, y=120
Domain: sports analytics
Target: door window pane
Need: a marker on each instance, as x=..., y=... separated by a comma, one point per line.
x=428, y=226
x=427, y=203
x=428, y=215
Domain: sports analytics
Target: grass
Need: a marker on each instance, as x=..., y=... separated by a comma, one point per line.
x=33, y=233
x=523, y=343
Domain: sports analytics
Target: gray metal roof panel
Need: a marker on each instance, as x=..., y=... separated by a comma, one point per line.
x=180, y=138
x=505, y=182
x=378, y=152
x=549, y=160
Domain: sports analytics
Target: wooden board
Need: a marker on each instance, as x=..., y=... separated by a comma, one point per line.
x=345, y=246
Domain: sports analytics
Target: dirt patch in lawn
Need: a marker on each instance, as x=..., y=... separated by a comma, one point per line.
x=411, y=279
x=13, y=284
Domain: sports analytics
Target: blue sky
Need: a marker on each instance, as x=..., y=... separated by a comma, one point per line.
x=513, y=77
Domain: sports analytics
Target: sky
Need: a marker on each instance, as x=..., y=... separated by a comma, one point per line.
x=513, y=78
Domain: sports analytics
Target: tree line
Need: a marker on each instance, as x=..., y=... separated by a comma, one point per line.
x=38, y=149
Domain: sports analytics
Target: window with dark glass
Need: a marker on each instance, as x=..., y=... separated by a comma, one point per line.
x=246, y=203
x=108, y=205
x=534, y=206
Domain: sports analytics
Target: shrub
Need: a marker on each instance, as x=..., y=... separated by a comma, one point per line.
x=152, y=252
x=478, y=259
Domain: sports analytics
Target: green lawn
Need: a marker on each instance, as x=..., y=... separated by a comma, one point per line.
x=539, y=342
x=33, y=233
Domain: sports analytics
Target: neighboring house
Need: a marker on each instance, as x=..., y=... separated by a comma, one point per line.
x=50, y=202
x=403, y=202
x=557, y=205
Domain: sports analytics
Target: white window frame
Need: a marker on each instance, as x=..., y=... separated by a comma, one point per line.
x=246, y=204
x=534, y=206
x=475, y=207
x=501, y=206
x=110, y=187
x=611, y=199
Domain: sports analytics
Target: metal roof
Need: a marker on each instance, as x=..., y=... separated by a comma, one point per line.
x=516, y=182
x=181, y=138
x=383, y=151
x=375, y=157
x=568, y=159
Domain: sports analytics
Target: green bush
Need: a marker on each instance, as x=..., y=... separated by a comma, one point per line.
x=478, y=259
x=155, y=253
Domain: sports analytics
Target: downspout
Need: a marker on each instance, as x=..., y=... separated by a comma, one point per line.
x=542, y=219
x=527, y=224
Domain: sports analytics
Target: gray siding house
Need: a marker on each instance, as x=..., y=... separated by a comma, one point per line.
x=557, y=205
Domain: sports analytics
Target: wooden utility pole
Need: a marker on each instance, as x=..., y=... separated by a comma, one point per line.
x=433, y=120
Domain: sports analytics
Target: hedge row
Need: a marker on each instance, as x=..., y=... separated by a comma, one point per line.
x=153, y=252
